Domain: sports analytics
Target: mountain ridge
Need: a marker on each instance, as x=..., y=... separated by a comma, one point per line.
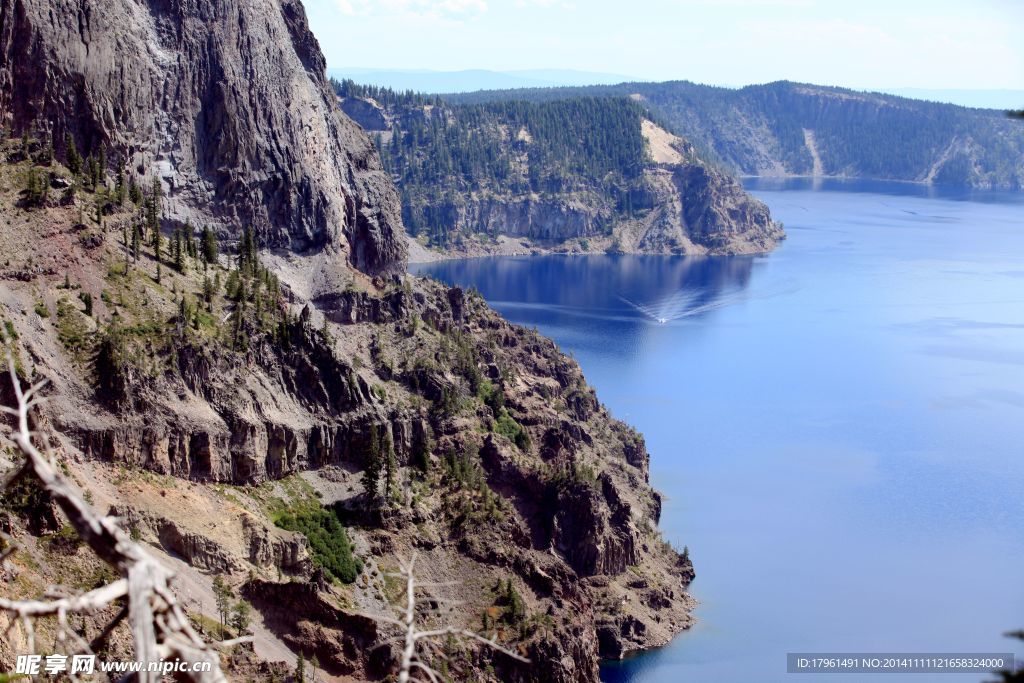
x=758, y=130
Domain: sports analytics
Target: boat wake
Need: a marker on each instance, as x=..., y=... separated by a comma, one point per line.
x=686, y=303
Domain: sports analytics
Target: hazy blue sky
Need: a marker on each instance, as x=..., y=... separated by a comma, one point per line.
x=859, y=43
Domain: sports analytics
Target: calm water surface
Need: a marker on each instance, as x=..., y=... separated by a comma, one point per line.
x=838, y=427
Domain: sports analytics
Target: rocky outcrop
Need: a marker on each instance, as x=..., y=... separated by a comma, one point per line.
x=342, y=641
x=367, y=113
x=699, y=211
x=268, y=547
x=225, y=102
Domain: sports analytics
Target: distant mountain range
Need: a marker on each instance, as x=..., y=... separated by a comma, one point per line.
x=797, y=129
x=981, y=99
x=429, y=81
x=469, y=80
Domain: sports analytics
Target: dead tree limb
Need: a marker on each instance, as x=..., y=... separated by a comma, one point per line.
x=159, y=627
x=415, y=639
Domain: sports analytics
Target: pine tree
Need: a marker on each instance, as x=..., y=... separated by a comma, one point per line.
x=209, y=247
x=223, y=595
x=86, y=298
x=389, y=469
x=74, y=158
x=101, y=164
x=32, y=188
x=241, y=616
x=247, y=252
x=120, y=190
x=208, y=294
x=179, y=251
x=158, y=241
x=372, y=467
x=134, y=192
x=90, y=172
x=300, y=669
x=136, y=240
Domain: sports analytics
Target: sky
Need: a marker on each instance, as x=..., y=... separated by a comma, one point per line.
x=857, y=43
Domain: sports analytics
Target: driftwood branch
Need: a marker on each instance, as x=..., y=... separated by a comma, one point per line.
x=159, y=627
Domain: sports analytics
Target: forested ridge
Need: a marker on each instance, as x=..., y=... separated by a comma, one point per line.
x=440, y=154
x=760, y=130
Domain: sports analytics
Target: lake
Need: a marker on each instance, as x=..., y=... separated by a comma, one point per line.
x=837, y=427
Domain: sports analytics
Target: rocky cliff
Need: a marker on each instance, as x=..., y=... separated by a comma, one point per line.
x=225, y=102
x=527, y=177
x=210, y=402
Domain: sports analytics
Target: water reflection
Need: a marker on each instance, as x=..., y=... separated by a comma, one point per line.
x=629, y=289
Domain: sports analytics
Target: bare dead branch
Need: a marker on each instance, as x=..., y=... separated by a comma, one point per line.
x=159, y=627
x=415, y=639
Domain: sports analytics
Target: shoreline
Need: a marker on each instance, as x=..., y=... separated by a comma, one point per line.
x=420, y=255
x=871, y=179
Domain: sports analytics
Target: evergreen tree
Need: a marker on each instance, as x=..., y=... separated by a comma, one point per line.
x=300, y=669
x=92, y=172
x=372, y=465
x=209, y=247
x=86, y=298
x=120, y=189
x=223, y=595
x=158, y=241
x=101, y=163
x=179, y=251
x=73, y=157
x=134, y=192
x=247, y=252
x=136, y=240
x=241, y=616
x=37, y=188
x=389, y=469
x=208, y=294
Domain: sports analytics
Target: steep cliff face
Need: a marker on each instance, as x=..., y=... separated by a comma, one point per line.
x=199, y=400
x=225, y=102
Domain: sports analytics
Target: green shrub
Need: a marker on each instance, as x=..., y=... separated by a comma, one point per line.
x=512, y=430
x=327, y=538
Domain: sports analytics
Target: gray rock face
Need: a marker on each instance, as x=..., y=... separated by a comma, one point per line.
x=366, y=113
x=546, y=219
x=711, y=210
x=224, y=100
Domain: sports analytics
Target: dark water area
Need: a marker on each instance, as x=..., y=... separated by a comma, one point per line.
x=837, y=427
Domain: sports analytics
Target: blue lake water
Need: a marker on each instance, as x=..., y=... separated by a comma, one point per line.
x=838, y=427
